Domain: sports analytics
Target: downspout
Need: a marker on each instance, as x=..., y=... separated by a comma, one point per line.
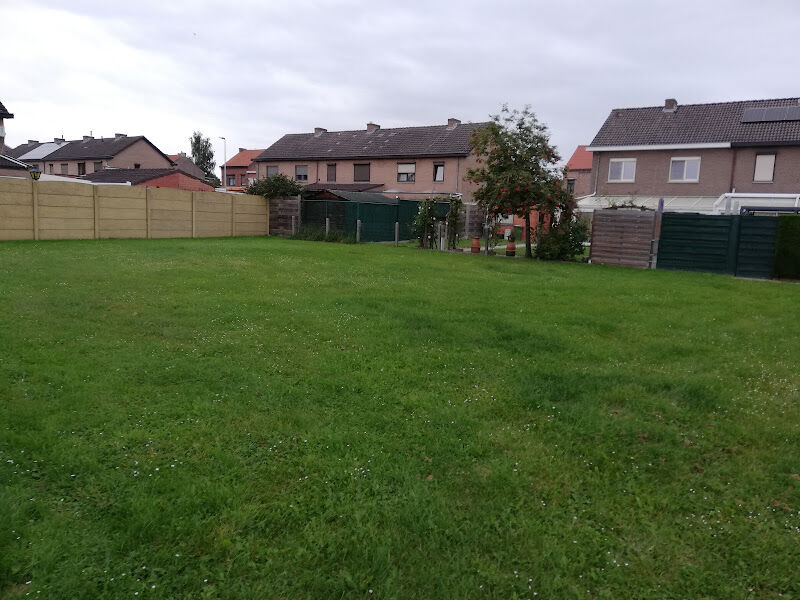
x=733, y=170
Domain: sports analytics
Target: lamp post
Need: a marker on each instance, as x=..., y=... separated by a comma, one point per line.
x=35, y=173
x=224, y=160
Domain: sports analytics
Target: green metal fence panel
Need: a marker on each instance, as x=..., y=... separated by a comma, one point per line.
x=756, y=251
x=406, y=213
x=377, y=222
x=694, y=242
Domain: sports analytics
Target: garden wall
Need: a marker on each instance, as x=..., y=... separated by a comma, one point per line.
x=50, y=210
x=624, y=237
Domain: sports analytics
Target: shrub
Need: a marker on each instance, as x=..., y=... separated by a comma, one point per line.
x=787, y=247
x=277, y=186
x=423, y=225
x=563, y=240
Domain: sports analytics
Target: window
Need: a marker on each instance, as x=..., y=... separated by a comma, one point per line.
x=332, y=172
x=272, y=170
x=64, y=168
x=438, y=171
x=684, y=170
x=765, y=168
x=621, y=170
x=81, y=168
x=570, y=186
x=361, y=172
x=137, y=166
x=406, y=172
x=98, y=166
x=51, y=168
x=243, y=179
x=301, y=172
x=231, y=180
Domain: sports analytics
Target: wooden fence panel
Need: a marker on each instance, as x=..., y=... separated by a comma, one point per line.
x=66, y=210
x=623, y=237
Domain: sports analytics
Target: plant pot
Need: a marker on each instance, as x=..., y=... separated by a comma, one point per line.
x=476, y=245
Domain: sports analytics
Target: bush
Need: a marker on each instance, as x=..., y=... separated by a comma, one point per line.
x=313, y=233
x=277, y=186
x=787, y=247
x=562, y=241
x=423, y=225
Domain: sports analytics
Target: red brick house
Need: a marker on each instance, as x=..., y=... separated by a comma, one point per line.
x=691, y=155
x=407, y=162
x=165, y=178
x=240, y=170
x=579, y=172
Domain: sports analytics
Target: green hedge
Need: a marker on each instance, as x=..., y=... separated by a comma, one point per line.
x=787, y=247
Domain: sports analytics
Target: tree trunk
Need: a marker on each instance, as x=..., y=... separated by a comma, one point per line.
x=528, y=253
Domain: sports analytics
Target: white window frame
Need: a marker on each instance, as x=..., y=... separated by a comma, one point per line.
x=275, y=167
x=621, y=160
x=438, y=166
x=774, y=156
x=298, y=176
x=684, y=159
x=406, y=172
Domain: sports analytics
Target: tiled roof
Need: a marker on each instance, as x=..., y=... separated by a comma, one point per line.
x=433, y=141
x=348, y=187
x=134, y=176
x=4, y=114
x=243, y=158
x=89, y=149
x=695, y=124
x=187, y=165
x=581, y=160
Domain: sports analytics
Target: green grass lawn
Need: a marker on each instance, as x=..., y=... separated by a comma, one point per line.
x=266, y=418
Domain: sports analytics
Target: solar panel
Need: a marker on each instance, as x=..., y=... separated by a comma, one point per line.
x=771, y=114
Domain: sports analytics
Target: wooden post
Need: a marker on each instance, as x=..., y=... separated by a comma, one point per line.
x=397, y=233
x=96, y=212
x=147, y=194
x=233, y=215
x=35, y=201
x=466, y=220
x=293, y=225
x=194, y=213
x=327, y=226
x=358, y=230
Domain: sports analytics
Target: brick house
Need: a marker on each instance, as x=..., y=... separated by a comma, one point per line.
x=75, y=158
x=579, y=172
x=690, y=155
x=240, y=170
x=408, y=162
x=164, y=178
x=186, y=164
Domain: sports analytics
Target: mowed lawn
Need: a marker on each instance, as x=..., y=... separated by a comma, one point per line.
x=265, y=418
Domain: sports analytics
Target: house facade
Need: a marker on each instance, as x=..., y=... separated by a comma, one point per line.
x=407, y=162
x=9, y=167
x=75, y=158
x=579, y=172
x=690, y=155
x=240, y=170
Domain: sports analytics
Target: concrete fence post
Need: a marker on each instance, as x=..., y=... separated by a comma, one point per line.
x=327, y=226
x=35, y=199
x=397, y=233
x=294, y=225
x=194, y=214
x=466, y=220
x=233, y=215
x=358, y=230
x=147, y=198
x=96, y=212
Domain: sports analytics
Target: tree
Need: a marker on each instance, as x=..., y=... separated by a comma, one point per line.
x=277, y=186
x=517, y=170
x=203, y=154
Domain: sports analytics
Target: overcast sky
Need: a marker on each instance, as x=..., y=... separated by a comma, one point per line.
x=254, y=70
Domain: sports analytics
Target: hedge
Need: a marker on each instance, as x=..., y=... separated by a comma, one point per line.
x=787, y=247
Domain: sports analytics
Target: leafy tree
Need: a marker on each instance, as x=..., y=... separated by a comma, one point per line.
x=277, y=186
x=203, y=154
x=424, y=223
x=517, y=170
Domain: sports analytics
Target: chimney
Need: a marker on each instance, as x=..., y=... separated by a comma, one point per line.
x=119, y=135
x=372, y=127
x=57, y=140
x=318, y=131
x=453, y=123
x=670, y=105
x=86, y=138
x=242, y=149
x=183, y=154
x=33, y=141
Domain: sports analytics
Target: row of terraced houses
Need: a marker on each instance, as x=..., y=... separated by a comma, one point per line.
x=686, y=158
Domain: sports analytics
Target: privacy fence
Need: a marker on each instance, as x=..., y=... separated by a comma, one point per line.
x=380, y=222
x=742, y=245
x=49, y=210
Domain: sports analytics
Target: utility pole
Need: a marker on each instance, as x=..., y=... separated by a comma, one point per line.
x=224, y=160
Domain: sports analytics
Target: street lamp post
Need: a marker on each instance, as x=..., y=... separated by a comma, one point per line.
x=224, y=160
x=35, y=173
